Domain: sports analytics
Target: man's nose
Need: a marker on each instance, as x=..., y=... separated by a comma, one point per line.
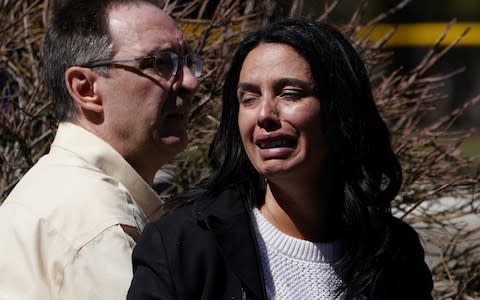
x=186, y=84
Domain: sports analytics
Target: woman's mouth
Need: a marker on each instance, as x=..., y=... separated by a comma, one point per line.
x=279, y=142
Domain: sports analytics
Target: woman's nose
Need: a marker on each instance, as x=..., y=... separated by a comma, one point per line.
x=268, y=117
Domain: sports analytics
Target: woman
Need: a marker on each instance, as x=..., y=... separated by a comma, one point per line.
x=298, y=206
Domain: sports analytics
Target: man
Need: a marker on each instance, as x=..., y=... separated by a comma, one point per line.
x=122, y=79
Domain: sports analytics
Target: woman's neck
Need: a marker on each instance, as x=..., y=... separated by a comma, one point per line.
x=306, y=212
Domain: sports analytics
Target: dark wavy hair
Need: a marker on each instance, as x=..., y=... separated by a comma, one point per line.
x=369, y=173
x=77, y=33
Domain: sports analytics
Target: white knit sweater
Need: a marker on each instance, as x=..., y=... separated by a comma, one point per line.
x=293, y=268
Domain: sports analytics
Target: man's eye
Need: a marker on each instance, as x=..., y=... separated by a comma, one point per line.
x=162, y=62
x=164, y=65
x=147, y=63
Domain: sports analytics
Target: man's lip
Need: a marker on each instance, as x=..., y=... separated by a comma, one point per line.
x=178, y=112
x=177, y=108
x=177, y=115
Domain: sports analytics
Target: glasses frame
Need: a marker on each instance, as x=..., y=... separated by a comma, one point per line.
x=178, y=63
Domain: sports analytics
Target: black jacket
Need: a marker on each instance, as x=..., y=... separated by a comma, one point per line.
x=207, y=250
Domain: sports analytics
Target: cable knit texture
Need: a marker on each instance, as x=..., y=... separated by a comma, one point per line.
x=294, y=268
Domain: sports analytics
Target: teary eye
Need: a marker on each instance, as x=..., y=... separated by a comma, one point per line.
x=246, y=98
x=292, y=94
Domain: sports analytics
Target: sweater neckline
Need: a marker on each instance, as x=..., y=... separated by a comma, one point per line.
x=293, y=247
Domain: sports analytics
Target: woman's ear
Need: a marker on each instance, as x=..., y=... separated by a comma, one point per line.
x=80, y=84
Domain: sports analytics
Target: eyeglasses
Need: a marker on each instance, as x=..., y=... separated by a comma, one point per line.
x=165, y=63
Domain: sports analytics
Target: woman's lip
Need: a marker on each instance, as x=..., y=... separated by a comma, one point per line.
x=275, y=141
x=275, y=153
x=275, y=145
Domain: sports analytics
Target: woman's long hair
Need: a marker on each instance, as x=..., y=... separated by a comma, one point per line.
x=368, y=171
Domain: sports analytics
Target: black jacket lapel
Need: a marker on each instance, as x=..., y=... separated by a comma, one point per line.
x=229, y=220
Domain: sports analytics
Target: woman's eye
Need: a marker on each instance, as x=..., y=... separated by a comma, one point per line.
x=247, y=98
x=291, y=94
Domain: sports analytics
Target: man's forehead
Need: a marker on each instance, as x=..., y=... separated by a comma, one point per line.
x=136, y=22
x=140, y=14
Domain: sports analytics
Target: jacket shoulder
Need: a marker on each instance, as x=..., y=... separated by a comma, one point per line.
x=405, y=274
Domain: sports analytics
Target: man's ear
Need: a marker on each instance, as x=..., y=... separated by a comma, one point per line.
x=80, y=84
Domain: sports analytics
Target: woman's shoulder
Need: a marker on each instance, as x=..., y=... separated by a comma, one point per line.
x=178, y=229
x=404, y=274
x=196, y=208
x=405, y=237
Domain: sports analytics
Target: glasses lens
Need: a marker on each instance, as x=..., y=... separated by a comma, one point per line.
x=194, y=62
x=166, y=64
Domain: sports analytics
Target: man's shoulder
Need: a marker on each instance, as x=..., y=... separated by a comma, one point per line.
x=75, y=199
x=56, y=182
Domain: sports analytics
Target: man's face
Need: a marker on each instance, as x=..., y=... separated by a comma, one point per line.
x=145, y=114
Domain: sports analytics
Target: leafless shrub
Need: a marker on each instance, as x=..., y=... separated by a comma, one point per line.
x=25, y=120
x=430, y=153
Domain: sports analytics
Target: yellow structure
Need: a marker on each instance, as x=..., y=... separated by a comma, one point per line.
x=406, y=35
x=427, y=34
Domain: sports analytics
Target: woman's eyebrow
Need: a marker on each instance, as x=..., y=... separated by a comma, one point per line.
x=246, y=86
x=294, y=82
x=279, y=84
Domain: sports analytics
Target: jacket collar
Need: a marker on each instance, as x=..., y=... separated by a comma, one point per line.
x=228, y=218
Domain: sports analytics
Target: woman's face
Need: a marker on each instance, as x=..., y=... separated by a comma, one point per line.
x=279, y=114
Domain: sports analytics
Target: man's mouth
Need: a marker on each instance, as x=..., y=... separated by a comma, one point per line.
x=177, y=116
